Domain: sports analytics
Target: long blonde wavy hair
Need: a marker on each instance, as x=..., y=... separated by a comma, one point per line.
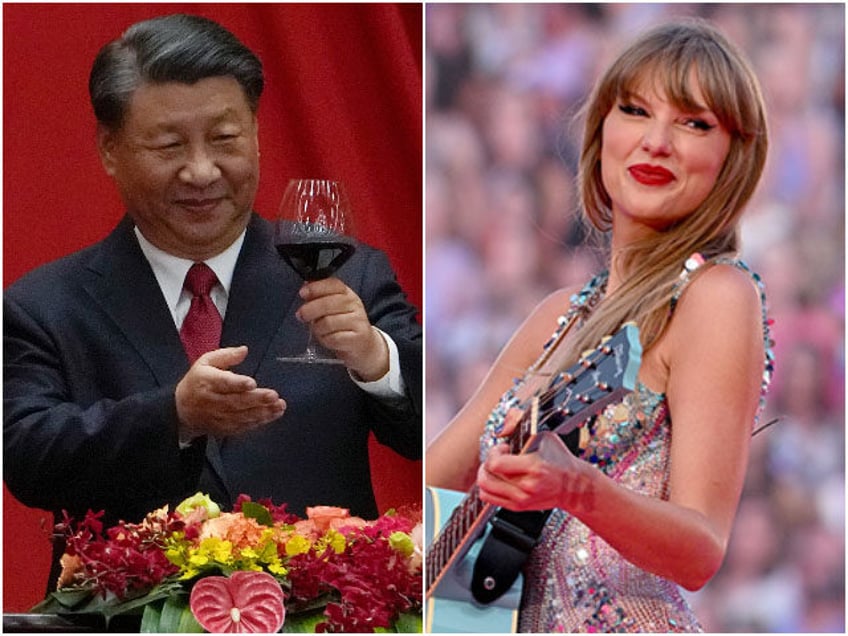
x=669, y=54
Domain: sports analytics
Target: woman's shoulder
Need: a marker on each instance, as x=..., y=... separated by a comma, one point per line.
x=723, y=297
x=723, y=281
x=722, y=316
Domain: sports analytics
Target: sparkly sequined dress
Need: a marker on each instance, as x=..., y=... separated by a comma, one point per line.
x=574, y=581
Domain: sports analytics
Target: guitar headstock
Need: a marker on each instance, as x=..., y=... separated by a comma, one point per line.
x=601, y=375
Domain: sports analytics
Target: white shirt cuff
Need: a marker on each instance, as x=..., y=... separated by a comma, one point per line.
x=391, y=386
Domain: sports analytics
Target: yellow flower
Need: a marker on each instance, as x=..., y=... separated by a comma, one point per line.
x=297, y=544
x=222, y=551
x=198, y=560
x=332, y=539
x=276, y=567
x=211, y=549
x=402, y=542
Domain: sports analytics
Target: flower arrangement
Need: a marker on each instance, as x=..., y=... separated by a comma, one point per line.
x=257, y=568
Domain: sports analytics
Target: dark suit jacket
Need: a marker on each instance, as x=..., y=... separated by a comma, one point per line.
x=92, y=359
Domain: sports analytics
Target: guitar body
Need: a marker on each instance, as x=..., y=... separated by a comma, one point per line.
x=452, y=608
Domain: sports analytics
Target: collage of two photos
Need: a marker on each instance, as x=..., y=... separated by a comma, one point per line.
x=423, y=317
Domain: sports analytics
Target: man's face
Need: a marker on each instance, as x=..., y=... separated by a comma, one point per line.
x=186, y=162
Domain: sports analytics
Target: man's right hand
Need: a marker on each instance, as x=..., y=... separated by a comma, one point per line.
x=211, y=400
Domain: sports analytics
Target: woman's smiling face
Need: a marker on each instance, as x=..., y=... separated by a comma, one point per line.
x=660, y=160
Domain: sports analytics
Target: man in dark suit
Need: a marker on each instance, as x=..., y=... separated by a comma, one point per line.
x=105, y=409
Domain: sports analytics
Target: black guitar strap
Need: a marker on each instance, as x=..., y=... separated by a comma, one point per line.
x=510, y=541
x=504, y=552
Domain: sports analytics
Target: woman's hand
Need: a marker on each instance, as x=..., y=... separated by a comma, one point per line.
x=549, y=477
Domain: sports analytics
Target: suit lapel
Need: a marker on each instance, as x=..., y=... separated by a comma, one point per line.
x=126, y=289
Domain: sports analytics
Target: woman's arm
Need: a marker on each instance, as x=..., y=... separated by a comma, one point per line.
x=714, y=353
x=452, y=457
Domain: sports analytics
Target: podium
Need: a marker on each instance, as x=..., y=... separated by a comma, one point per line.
x=71, y=623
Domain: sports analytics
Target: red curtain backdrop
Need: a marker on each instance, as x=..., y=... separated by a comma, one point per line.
x=343, y=99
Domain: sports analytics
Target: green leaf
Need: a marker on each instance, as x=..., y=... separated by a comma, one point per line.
x=303, y=622
x=178, y=618
x=173, y=616
x=133, y=604
x=253, y=510
x=62, y=601
x=151, y=618
x=409, y=623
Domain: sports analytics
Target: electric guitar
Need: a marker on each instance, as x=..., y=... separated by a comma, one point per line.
x=458, y=523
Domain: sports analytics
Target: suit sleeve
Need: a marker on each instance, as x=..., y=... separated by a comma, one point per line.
x=395, y=425
x=64, y=445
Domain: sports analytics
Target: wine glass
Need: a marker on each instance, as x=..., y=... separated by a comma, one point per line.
x=313, y=235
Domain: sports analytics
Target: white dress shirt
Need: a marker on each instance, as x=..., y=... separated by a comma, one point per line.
x=170, y=272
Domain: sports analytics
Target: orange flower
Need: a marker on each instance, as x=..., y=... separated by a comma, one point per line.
x=348, y=522
x=242, y=532
x=327, y=517
x=71, y=567
x=306, y=528
x=323, y=515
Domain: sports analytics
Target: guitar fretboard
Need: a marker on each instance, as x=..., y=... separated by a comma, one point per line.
x=458, y=528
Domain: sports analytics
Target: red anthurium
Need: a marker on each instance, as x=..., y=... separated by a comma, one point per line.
x=241, y=603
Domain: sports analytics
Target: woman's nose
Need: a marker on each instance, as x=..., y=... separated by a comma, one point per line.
x=657, y=139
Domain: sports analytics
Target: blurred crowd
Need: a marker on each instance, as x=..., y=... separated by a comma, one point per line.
x=504, y=84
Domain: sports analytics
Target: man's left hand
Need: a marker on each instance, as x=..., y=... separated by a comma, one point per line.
x=338, y=320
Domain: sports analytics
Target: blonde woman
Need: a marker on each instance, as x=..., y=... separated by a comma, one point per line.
x=674, y=145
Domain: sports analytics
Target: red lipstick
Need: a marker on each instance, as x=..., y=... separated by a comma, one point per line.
x=647, y=174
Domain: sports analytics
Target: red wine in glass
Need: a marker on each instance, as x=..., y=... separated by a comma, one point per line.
x=313, y=236
x=317, y=259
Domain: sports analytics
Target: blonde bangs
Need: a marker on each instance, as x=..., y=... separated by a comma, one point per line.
x=674, y=72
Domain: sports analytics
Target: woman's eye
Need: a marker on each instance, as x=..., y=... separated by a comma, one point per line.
x=699, y=124
x=630, y=109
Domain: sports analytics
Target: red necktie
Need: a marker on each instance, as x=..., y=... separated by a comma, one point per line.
x=201, y=330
